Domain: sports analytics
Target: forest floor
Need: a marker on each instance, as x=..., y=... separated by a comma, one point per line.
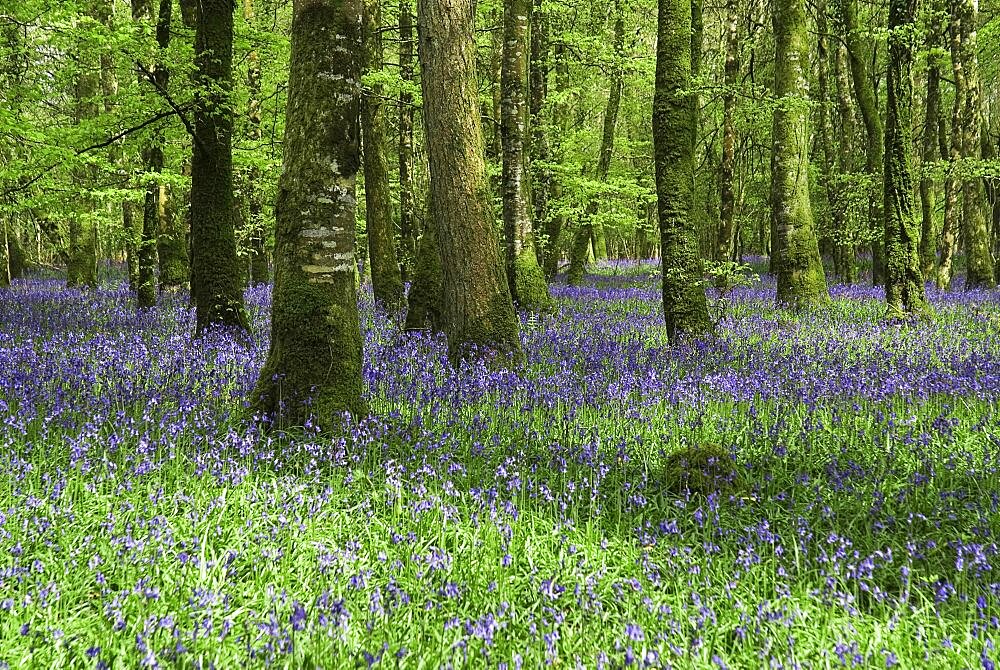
x=484, y=518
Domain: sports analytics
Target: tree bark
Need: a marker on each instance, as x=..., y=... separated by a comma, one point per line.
x=846, y=246
x=408, y=232
x=524, y=274
x=684, y=306
x=425, y=309
x=313, y=368
x=864, y=91
x=541, y=175
x=555, y=223
x=478, y=310
x=904, y=287
x=929, y=149
x=217, y=284
x=727, y=195
x=798, y=266
x=387, y=283
x=82, y=267
x=979, y=271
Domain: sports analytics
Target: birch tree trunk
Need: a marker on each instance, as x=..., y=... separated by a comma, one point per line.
x=524, y=274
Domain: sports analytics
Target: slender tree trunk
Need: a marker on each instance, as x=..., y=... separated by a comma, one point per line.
x=524, y=274
x=975, y=228
x=674, y=132
x=798, y=266
x=478, y=310
x=845, y=166
x=586, y=233
x=4, y=254
x=864, y=90
x=541, y=175
x=904, y=287
x=932, y=114
x=217, y=285
x=387, y=282
x=407, y=226
x=313, y=367
x=82, y=267
x=952, y=188
x=727, y=195
x=557, y=221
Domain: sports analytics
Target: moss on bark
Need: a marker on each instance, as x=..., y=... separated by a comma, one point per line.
x=313, y=369
x=796, y=261
x=424, y=306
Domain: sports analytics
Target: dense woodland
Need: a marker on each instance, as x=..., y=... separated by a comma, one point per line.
x=448, y=297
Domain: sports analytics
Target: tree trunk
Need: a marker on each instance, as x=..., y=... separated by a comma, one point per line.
x=387, y=283
x=82, y=267
x=524, y=274
x=845, y=166
x=217, y=286
x=313, y=368
x=727, y=195
x=407, y=226
x=932, y=114
x=541, y=175
x=424, y=303
x=798, y=266
x=556, y=222
x=589, y=232
x=4, y=254
x=864, y=90
x=684, y=305
x=975, y=227
x=904, y=287
x=478, y=310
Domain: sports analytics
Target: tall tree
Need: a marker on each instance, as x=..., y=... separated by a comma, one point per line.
x=929, y=148
x=524, y=274
x=216, y=279
x=674, y=133
x=82, y=267
x=4, y=254
x=845, y=247
x=965, y=65
x=797, y=263
x=555, y=221
x=541, y=173
x=408, y=232
x=727, y=195
x=904, y=286
x=387, y=283
x=859, y=53
x=478, y=310
x=314, y=363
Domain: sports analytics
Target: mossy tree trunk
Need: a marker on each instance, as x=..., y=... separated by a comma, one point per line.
x=589, y=232
x=904, y=287
x=257, y=234
x=859, y=54
x=845, y=244
x=425, y=309
x=727, y=194
x=825, y=133
x=313, y=368
x=524, y=274
x=478, y=310
x=797, y=262
x=4, y=254
x=82, y=267
x=684, y=305
x=929, y=148
x=387, y=283
x=216, y=278
x=408, y=232
x=979, y=271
